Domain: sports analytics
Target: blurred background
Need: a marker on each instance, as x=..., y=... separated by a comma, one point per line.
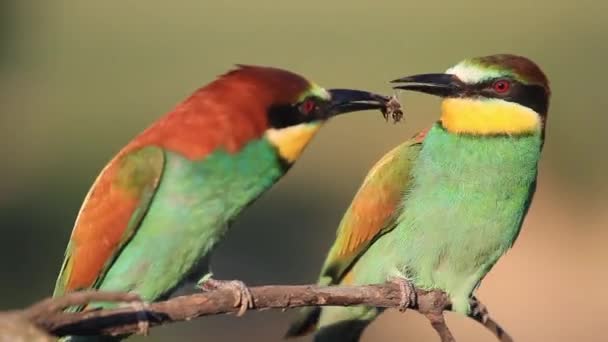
x=78, y=79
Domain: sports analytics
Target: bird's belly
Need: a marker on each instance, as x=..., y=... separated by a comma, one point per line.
x=454, y=238
x=189, y=214
x=455, y=229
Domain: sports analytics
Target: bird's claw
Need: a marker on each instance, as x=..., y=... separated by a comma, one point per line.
x=242, y=296
x=408, y=293
x=478, y=309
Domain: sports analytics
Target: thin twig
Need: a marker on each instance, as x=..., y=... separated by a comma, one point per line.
x=433, y=309
x=54, y=305
x=48, y=314
x=438, y=323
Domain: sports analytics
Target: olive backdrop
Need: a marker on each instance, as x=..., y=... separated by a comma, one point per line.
x=78, y=79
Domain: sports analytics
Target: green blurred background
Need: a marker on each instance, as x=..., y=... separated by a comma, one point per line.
x=78, y=79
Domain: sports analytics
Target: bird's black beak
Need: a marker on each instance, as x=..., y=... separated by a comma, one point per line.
x=443, y=85
x=349, y=100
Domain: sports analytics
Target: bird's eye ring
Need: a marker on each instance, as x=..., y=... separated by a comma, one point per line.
x=308, y=107
x=501, y=86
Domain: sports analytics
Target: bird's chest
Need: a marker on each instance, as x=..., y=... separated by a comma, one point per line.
x=205, y=195
x=467, y=200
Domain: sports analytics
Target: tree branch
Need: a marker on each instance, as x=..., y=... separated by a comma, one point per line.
x=48, y=314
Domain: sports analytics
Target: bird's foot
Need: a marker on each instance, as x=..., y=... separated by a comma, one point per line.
x=479, y=310
x=242, y=296
x=140, y=308
x=408, y=293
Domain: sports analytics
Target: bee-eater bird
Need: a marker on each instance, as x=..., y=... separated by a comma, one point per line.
x=439, y=210
x=160, y=206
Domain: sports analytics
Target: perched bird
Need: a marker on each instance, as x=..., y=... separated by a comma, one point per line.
x=159, y=207
x=438, y=211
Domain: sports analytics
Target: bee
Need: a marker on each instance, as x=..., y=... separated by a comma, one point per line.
x=393, y=109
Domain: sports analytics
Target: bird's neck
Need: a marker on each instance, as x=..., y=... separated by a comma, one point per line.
x=480, y=156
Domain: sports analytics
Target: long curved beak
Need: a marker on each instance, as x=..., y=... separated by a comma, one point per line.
x=443, y=85
x=350, y=100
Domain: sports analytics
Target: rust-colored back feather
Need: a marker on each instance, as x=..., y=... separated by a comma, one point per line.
x=227, y=113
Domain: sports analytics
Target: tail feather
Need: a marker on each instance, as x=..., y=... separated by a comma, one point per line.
x=345, y=331
x=306, y=322
x=90, y=339
x=333, y=324
x=308, y=317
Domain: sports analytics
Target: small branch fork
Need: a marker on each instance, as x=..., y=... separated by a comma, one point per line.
x=48, y=315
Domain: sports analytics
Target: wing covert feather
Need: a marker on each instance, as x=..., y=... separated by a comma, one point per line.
x=109, y=216
x=373, y=209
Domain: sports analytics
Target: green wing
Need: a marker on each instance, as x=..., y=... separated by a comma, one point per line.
x=371, y=214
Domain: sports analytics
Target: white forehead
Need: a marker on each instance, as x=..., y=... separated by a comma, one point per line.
x=472, y=73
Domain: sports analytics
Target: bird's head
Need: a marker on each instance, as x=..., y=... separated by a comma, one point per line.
x=492, y=95
x=290, y=108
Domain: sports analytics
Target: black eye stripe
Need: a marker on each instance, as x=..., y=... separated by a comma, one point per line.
x=532, y=96
x=284, y=116
x=290, y=115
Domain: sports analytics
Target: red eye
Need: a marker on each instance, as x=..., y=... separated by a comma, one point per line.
x=501, y=86
x=308, y=106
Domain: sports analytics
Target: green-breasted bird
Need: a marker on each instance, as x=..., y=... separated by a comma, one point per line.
x=160, y=206
x=442, y=208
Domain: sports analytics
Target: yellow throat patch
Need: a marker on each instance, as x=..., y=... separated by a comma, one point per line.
x=290, y=141
x=487, y=117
